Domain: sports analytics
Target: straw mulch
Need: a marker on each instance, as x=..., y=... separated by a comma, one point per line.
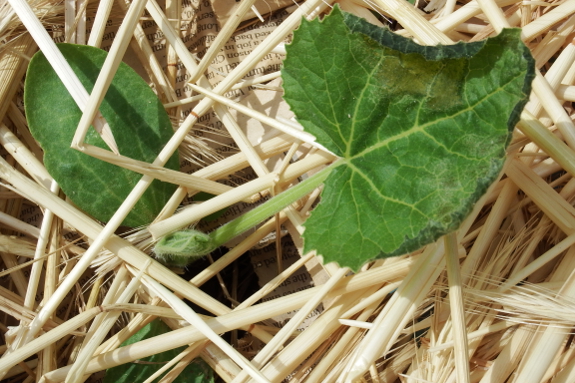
x=500, y=309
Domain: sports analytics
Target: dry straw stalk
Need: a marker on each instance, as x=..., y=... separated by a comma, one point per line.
x=493, y=303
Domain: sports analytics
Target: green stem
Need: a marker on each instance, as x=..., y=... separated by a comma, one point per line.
x=257, y=215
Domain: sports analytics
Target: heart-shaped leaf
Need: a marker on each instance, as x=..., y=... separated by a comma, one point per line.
x=136, y=117
x=422, y=130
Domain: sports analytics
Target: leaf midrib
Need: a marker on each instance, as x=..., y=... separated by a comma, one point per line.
x=420, y=128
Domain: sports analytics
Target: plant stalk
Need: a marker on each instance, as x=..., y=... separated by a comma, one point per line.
x=257, y=215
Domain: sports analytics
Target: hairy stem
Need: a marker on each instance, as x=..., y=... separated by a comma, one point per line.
x=257, y=215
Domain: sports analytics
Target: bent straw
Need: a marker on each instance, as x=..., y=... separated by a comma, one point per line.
x=62, y=69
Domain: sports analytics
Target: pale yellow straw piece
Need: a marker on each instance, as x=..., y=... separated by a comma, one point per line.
x=494, y=14
x=229, y=122
x=196, y=212
x=223, y=35
x=36, y=272
x=548, y=342
x=406, y=15
x=99, y=25
x=503, y=243
x=190, y=181
x=459, y=325
x=548, y=200
x=546, y=21
x=547, y=141
x=295, y=133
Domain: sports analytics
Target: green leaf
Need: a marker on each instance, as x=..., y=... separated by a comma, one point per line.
x=196, y=372
x=422, y=130
x=136, y=117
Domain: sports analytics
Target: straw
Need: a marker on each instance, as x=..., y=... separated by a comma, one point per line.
x=461, y=349
x=515, y=249
x=187, y=313
x=548, y=342
x=237, y=319
x=411, y=20
x=296, y=134
x=228, y=29
x=99, y=25
x=99, y=328
x=35, y=273
x=282, y=336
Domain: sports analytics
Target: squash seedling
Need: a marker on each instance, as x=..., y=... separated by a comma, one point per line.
x=421, y=132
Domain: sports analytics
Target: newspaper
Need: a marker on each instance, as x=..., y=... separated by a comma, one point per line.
x=224, y=9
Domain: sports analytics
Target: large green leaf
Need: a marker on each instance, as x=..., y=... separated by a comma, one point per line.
x=138, y=121
x=422, y=130
x=136, y=372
